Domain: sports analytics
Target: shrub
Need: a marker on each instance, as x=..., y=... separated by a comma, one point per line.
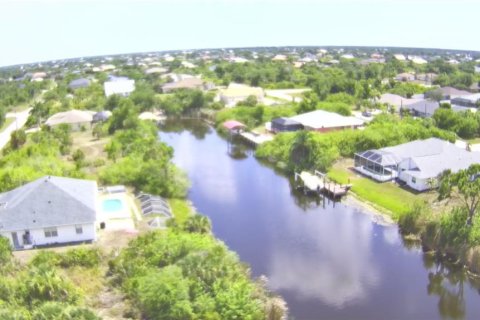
x=81, y=257
x=5, y=250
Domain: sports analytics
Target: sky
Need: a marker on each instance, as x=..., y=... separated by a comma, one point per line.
x=40, y=30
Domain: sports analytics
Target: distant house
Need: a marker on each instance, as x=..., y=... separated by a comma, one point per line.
x=285, y=125
x=417, y=60
x=280, y=57
x=405, y=77
x=38, y=76
x=79, y=83
x=470, y=101
x=417, y=164
x=76, y=119
x=121, y=86
x=190, y=83
x=446, y=93
x=324, y=121
x=156, y=70
x=236, y=93
x=101, y=116
x=426, y=78
x=50, y=210
x=395, y=100
x=423, y=108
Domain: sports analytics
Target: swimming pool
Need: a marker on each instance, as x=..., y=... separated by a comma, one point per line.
x=112, y=205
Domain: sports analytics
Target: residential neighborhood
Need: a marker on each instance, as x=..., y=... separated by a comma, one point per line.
x=116, y=168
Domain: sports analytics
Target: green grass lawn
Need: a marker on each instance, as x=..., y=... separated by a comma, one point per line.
x=7, y=122
x=385, y=195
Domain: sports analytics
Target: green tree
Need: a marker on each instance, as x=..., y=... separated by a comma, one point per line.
x=164, y=295
x=198, y=223
x=463, y=185
x=309, y=102
x=18, y=139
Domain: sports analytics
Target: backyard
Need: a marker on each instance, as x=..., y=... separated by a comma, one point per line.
x=387, y=196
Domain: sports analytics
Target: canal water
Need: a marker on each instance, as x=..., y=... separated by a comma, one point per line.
x=327, y=261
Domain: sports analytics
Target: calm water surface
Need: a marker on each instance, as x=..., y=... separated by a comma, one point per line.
x=328, y=262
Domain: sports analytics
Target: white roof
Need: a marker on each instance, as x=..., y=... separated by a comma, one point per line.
x=70, y=117
x=323, y=119
x=119, y=87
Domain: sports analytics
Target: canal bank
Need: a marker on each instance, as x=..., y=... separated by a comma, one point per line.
x=327, y=261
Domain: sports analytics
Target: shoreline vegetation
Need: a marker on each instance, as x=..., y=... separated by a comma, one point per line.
x=125, y=150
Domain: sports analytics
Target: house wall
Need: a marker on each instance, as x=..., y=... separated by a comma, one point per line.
x=415, y=183
x=66, y=234
x=332, y=128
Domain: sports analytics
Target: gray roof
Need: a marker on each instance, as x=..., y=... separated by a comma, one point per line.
x=285, y=122
x=452, y=158
x=448, y=92
x=426, y=107
x=48, y=202
x=417, y=148
x=102, y=116
x=79, y=83
x=428, y=157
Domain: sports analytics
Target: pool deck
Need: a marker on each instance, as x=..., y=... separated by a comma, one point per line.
x=122, y=219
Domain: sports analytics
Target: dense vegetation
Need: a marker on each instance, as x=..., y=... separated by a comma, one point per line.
x=181, y=275
x=43, y=289
x=465, y=124
x=27, y=158
x=140, y=159
x=309, y=150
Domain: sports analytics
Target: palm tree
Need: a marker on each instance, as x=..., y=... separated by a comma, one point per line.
x=198, y=223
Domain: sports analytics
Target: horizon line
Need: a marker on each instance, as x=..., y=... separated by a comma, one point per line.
x=242, y=47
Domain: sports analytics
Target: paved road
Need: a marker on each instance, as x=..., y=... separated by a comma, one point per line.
x=19, y=122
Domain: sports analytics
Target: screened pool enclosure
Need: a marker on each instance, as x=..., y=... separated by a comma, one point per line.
x=377, y=164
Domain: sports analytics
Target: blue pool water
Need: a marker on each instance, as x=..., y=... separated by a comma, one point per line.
x=112, y=205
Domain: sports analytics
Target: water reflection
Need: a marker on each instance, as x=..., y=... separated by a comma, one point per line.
x=198, y=129
x=330, y=263
x=333, y=263
x=447, y=283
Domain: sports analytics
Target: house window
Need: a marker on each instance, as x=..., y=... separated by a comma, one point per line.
x=414, y=180
x=79, y=229
x=51, y=232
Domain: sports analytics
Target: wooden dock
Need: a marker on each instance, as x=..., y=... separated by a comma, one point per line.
x=318, y=183
x=255, y=138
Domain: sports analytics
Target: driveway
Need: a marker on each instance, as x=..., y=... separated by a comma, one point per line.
x=20, y=120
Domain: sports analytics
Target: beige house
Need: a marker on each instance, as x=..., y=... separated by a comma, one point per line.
x=76, y=119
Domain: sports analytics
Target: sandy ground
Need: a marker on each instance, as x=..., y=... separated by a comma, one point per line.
x=286, y=94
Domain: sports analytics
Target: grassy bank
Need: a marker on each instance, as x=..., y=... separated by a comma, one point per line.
x=387, y=197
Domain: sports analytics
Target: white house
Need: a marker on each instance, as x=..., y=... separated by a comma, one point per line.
x=121, y=86
x=50, y=210
x=324, y=121
x=417, y=164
